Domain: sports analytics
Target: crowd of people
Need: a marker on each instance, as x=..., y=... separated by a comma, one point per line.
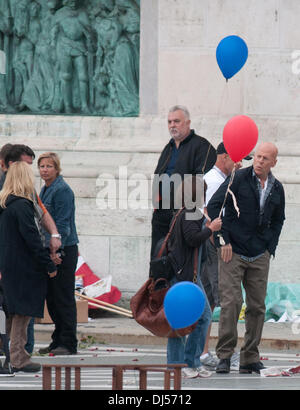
x=236, y=232
x=226, y=233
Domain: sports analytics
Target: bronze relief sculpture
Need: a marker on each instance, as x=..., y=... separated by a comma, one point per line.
x=70, y=57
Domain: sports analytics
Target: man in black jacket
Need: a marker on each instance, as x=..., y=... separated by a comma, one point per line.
x=250, y=232
x=185, y=153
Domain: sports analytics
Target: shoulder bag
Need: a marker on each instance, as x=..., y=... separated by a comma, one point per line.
x=147, y=306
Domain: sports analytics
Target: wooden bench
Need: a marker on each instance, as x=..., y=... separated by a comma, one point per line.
x=170, y=373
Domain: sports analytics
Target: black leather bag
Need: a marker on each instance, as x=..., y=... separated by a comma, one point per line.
x=161, y=268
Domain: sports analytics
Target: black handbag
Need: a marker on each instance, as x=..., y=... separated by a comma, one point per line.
x=161, y=267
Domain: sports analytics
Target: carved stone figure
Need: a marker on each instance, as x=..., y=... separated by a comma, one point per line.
x=43, y=86
x=73, y=45
x=5, y=31
x=27, y=29
x=127, y=56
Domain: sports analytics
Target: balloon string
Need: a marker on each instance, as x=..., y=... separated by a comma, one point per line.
x=232, y=194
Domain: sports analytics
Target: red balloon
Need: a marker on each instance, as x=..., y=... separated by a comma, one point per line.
x=240, y=136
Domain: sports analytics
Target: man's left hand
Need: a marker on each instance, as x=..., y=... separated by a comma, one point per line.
x=226, y=253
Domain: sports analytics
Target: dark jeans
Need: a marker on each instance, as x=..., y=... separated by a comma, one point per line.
x=61, y=301
x=188, y=349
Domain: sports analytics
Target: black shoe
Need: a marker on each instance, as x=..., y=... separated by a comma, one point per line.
x=45, y=350
x=61, y=351
x=223, y=366
x=252, y=367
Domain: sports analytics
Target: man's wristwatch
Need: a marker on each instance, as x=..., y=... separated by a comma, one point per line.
x=56, y=235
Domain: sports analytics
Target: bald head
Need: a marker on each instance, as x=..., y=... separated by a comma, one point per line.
x=265, y=158
x=270, y=146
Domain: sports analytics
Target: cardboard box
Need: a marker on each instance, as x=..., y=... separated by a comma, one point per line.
x=82, y=313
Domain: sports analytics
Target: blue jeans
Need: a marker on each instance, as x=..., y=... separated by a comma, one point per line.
x=188, y=349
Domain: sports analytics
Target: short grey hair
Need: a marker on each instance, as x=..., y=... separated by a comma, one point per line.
x=181, y=108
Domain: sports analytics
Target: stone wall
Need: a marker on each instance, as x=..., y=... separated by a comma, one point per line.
x=178, y=66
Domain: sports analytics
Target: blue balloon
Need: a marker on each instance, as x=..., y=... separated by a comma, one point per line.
x=232, y=53
x=183, y=304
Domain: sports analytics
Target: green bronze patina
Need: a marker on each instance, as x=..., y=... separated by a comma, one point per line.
x=70, y=57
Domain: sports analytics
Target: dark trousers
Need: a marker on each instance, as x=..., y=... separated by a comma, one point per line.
x=161, y=220
x=61, y=301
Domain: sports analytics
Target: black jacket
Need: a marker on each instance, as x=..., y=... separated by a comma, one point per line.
x=196, y=156
x=187, y=235
x=249, y=234
x=24, y=262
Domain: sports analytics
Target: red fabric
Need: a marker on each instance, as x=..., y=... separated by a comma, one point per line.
x=89, y=277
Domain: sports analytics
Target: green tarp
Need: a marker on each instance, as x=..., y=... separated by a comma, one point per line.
x=282, y=303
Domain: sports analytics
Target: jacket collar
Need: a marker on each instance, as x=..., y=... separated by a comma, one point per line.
x=255, y=181
x=185, y=141
x=56, y=182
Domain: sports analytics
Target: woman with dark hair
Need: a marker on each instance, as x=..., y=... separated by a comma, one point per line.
x=189, y=234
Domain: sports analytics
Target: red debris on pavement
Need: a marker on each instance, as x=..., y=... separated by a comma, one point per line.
x=295, y=370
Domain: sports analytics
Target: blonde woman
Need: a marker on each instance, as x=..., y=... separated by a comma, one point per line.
x=24, y=263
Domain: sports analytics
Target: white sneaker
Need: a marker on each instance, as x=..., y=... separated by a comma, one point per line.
x=208, y=360
x=235, y=362
x=189, y=373
x=202, y=372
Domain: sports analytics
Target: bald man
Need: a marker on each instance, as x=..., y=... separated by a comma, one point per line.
x=250, y=233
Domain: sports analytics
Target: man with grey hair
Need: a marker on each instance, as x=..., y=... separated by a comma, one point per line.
x=185, y=153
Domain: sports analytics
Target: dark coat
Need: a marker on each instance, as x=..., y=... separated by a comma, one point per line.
x=194, y=151
x=24, y=262
x=187, y=235
x=250, y=234
x=196, y=156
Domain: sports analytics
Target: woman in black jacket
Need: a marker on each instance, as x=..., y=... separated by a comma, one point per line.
x=185, y=249
x=24, y=262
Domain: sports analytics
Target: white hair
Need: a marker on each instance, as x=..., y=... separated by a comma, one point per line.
x=181, y=108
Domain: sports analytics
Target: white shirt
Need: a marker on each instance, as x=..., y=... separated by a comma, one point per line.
x=263, y=193
x=213, y=178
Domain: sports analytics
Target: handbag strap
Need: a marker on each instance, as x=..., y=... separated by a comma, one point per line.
x=204, y=166
x=164, y=244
